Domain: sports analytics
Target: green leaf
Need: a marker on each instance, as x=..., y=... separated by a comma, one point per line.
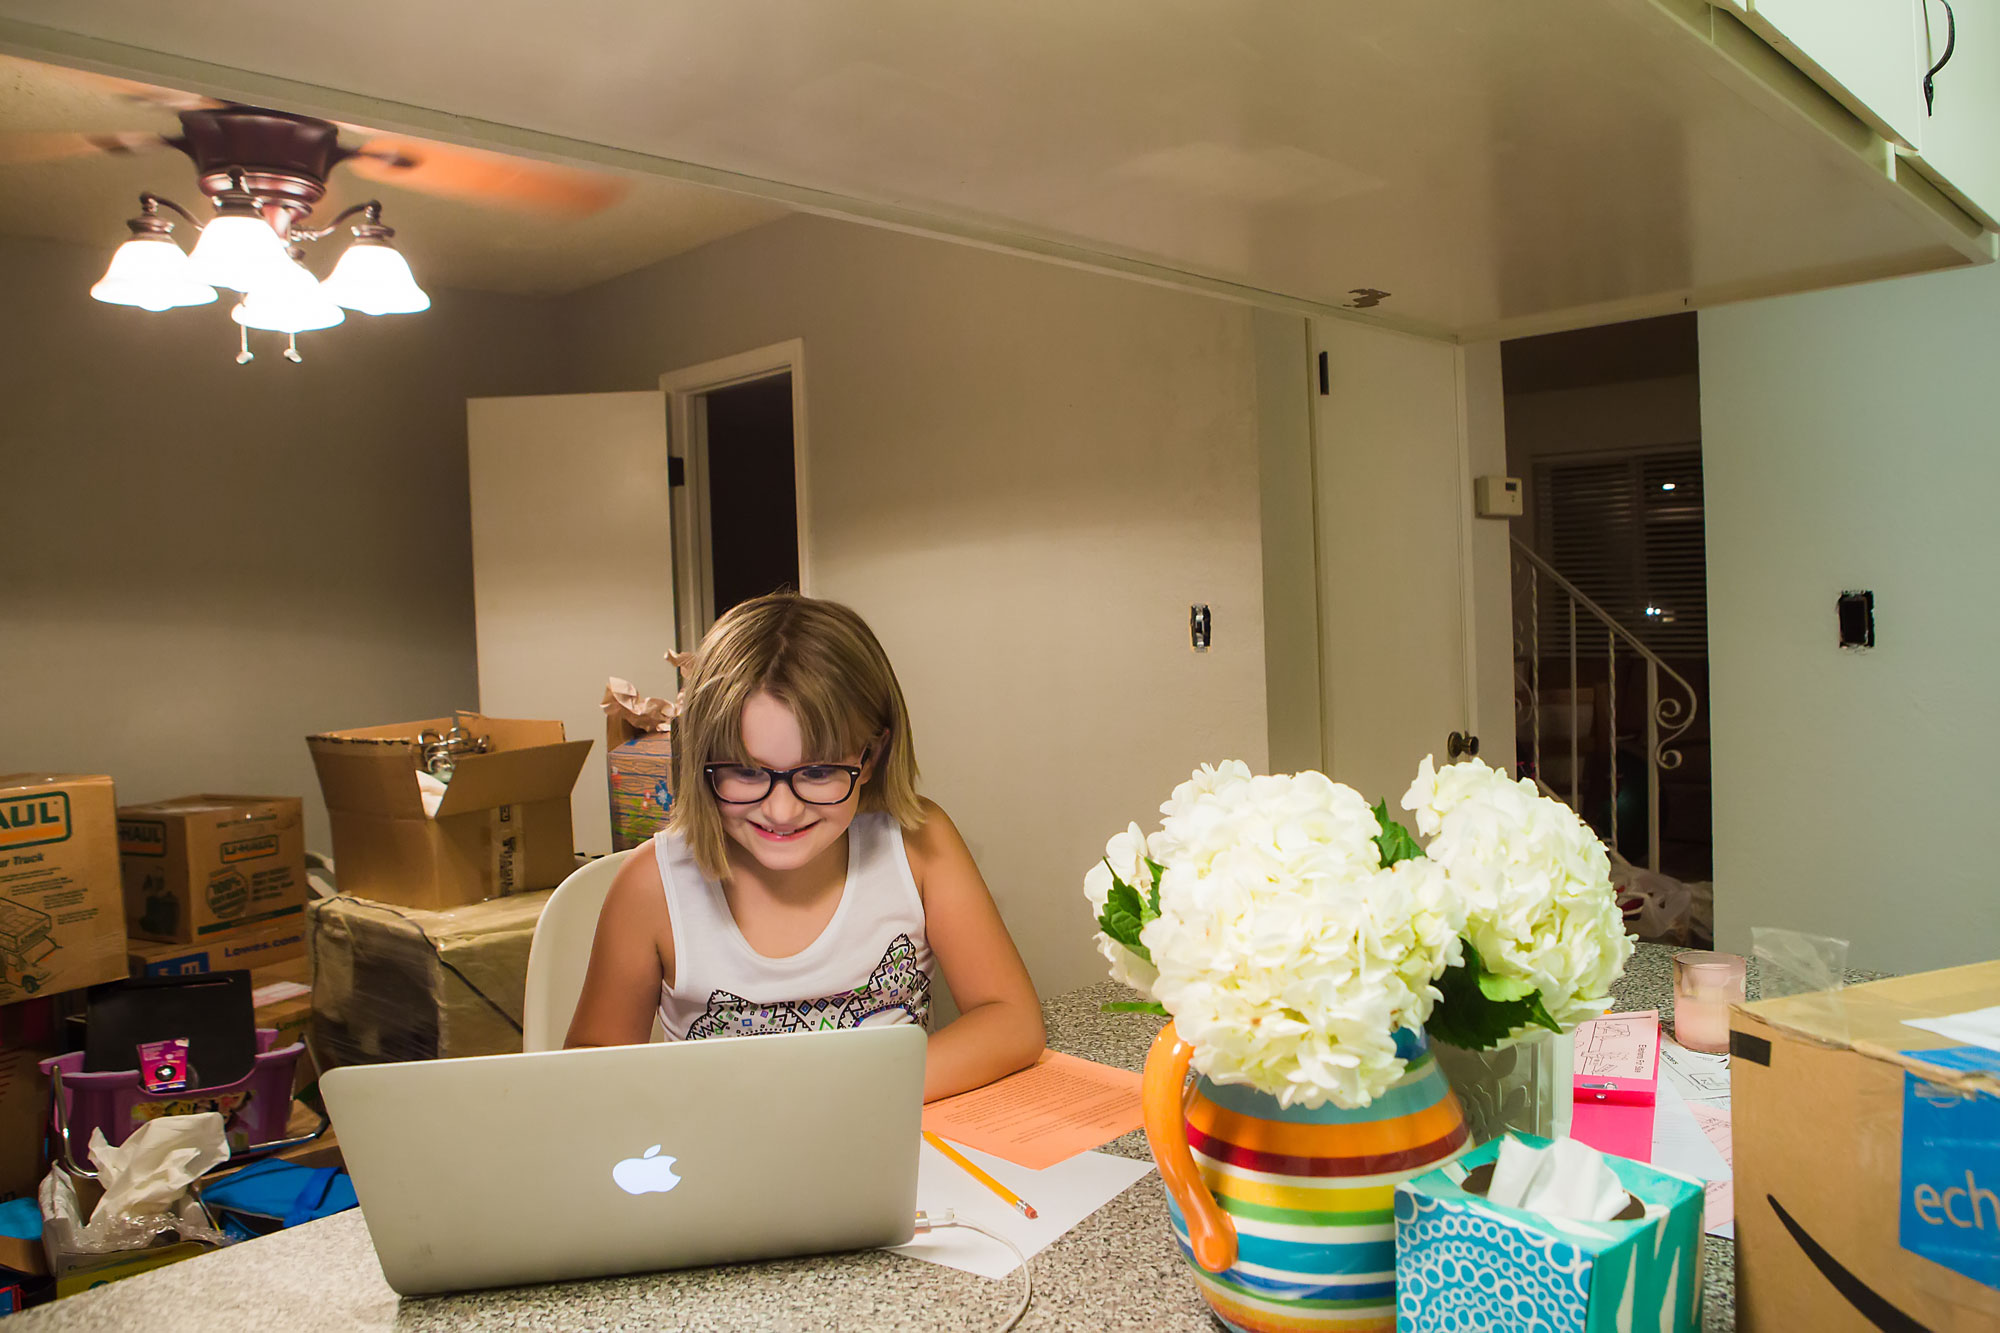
x=1153, y=895
x=1394, y=840
x=1125, y=914
x=1480, y=1009
x=1135, y=1007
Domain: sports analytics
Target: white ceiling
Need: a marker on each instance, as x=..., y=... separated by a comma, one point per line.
x=450, y=243
x=1488, y=168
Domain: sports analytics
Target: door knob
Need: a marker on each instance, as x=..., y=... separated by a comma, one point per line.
x=1459, y=745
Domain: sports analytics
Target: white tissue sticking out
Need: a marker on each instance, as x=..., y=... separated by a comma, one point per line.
x=1566, y=1179
x=431, y=792
x=149, y=1172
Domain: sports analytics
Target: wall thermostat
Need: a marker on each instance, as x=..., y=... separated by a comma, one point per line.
x=1496, y=497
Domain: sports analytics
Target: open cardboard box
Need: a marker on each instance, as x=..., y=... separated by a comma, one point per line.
x=502, y=827
x=1867, y=1159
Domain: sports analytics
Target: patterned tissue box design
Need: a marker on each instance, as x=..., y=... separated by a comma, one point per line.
x=1464, y=1264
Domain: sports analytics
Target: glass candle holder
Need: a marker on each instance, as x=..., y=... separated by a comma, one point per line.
x=1705, y=985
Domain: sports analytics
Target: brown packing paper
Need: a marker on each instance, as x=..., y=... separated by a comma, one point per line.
x=639, y=755
x=395, y=983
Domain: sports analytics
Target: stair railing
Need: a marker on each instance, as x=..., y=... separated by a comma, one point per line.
x=1669, y=713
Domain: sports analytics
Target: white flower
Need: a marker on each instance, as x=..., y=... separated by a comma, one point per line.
x=1534, y=882
x=1126, y=855
x=1287, y=955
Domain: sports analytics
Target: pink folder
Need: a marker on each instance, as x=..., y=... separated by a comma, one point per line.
x=1616, y=1082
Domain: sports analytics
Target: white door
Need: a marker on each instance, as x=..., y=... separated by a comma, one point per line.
x=1392, y=507
x=572, y=565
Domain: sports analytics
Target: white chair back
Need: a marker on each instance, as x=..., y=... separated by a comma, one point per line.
x=559, y=955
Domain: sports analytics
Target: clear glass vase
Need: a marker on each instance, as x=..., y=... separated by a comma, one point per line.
x=1527, y=1086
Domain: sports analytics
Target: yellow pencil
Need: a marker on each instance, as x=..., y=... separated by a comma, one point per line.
x=971, y=1169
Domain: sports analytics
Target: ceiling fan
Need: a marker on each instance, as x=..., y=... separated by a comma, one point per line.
x=263, y=173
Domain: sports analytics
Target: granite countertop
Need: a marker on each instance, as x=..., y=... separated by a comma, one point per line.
x=1118, y=1271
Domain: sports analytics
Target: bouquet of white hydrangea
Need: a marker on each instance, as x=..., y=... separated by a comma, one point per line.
x=1545, y=938
x=1290, y=930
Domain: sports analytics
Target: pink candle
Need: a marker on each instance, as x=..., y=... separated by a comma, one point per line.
x=1705, y=985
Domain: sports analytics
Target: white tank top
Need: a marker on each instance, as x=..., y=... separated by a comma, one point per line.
x=871, y=965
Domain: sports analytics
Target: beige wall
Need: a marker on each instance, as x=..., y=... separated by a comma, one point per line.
x=1022, y=475
x=1849, y=443
x=205, y=560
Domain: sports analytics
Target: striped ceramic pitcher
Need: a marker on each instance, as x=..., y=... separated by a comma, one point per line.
x=1287, y=1216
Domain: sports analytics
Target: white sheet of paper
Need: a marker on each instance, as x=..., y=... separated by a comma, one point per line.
x=1974, y=1027
x=1679, y=1144
x=1699, y=1076
x=1063, y=1195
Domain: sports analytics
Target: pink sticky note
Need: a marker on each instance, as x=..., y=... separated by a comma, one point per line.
x=1617, y=1078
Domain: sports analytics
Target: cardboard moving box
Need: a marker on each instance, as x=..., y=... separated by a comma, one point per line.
x=390, y=983
x=502, y=827
x=197, y=866
x=1867, y=1159
x=250, y=946
x=62, y=917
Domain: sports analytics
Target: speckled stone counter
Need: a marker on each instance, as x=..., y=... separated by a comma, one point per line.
x=1117, y=1272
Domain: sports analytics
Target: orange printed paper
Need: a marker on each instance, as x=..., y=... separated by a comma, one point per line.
x=1054, y=1109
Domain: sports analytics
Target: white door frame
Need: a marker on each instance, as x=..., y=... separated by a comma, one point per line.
x=687, y=439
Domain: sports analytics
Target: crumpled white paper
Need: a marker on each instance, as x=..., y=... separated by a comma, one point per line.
x=1567, y=1179
x=146, y=1175
x=430, y=790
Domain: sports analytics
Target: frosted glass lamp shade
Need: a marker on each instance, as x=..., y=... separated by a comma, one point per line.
x=373, y=279
x=236, y=250
x=289, y=300
x=151, y=272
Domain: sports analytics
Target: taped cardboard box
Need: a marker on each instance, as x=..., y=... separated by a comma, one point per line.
x=62, y=914
x=196, y=866
x=1867, y=1158
x=502, y=826
x=396, y=983
x=253, y=947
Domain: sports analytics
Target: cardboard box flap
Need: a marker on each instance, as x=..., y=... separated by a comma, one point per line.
x=513, y=733
x=375, y=777
x=1870, y=1019
x=511, y=776
x=200, y=804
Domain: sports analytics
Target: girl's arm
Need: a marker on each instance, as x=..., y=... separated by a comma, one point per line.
x=999, y=1026
x=630, y=958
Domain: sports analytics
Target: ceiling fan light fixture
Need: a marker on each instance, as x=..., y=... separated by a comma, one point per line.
x=238, y=247
x=373, y=278
x=151, y=272
x=288, y=300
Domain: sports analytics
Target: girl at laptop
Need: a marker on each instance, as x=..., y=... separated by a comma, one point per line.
x=801, y=883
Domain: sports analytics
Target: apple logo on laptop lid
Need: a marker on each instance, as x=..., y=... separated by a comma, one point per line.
x=651, y=1174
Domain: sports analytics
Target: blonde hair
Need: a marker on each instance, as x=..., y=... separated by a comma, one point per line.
x=819, y=659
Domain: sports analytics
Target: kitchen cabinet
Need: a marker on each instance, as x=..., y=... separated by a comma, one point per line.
x=1960, y=147
x=1865, y=52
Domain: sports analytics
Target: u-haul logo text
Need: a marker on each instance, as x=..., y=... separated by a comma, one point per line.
x=29, y=821
x=142, y=837
x=249, y=849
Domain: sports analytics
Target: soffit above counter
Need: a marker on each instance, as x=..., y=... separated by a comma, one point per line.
x=1453, y=168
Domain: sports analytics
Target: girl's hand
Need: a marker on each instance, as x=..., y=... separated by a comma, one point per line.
x=999, y=1026
x=631, y=957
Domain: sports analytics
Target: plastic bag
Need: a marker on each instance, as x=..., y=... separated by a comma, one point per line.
x=143, y=1183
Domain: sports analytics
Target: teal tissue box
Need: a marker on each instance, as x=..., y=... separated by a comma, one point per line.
x=1465, y=1263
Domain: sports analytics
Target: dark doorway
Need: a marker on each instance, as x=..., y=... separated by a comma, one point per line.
x=752, y=491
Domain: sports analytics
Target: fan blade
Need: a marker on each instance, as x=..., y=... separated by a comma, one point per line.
x=28, y=146
x=169, y=99
x=490, y=178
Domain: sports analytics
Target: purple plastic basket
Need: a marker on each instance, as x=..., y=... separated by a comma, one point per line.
x=255, y=1108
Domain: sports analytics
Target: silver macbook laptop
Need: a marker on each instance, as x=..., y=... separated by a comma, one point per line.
x=508, y=1169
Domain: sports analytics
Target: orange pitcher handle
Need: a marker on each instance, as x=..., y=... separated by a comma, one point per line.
x=1209, y=1228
